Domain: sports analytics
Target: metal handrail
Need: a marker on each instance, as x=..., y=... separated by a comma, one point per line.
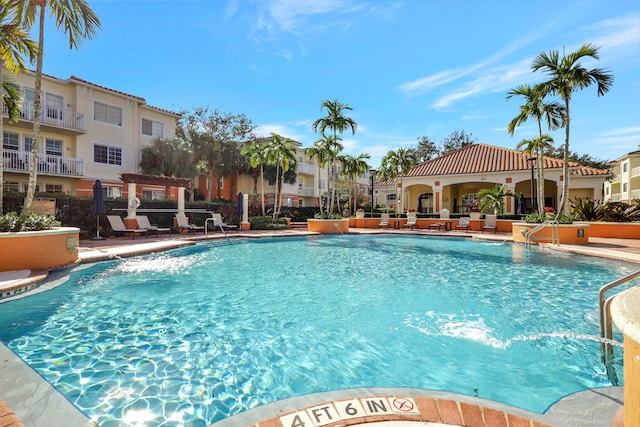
x=555, y=232
x=606, y=324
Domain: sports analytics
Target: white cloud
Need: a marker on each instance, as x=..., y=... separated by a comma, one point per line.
x=265, y=130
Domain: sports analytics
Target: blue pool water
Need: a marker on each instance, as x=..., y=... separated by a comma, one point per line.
x=192, y=336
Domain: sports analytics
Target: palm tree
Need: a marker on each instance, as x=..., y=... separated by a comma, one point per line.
x=326, y=150
x=537, y=147
x=353, y=167
x=257, y=157
x=338, y=123
x=396, y=164
x=493, y=198
x=14, y=45
x=167, y=157
x=78, y=21
x=535, y=107
x=283, y=155
x=567, y=75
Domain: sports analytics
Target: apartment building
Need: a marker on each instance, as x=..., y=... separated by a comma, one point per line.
x=625, y=185
x=88, y=132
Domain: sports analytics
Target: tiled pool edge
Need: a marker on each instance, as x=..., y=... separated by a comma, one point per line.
x=32, y=399
x=590, y=408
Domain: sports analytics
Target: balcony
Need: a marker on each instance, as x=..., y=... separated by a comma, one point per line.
x=51, y=117
x=306, y=191
x=20, y=161
x=306, y=169
x=635, y=172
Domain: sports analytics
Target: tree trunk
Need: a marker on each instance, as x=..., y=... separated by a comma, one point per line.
x=262, y=202
x=37, y=109
x=564, y=201
x=1, y=145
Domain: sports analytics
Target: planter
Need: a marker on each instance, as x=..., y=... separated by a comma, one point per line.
x=570, y=234
x=359, y=214
x=39, y=250
x=328, y=226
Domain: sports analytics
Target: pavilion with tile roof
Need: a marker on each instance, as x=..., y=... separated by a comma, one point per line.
x=453, y=180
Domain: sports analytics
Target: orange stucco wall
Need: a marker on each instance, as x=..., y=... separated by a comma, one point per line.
x=36, y=250
x=615, y=230
x=631, y=382
x=328, y=226
x=570, y=234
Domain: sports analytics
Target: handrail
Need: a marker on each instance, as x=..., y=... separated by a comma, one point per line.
x=215, y=222
x=555, y=232
x=606, y=324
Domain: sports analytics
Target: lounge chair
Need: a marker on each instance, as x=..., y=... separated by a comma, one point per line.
x=411, y=221
x=143, y=222
x=490, y=223
x=384, y=221
x=183, y=223
x=117, y=226
x=464, y=224
x=218, y=222
x=437, y=226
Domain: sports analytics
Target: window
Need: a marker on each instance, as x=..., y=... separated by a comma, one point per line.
x=10, y=140
x=606, y=191
x=391, y=198
x=152, y=128
x=112, y=192
x=28, y=143
x=107, y=114
x=107, y=154
x=300, y=203
x=625, y=167
x=53, y=188
x=625, y=188
x=152, y=194
x=10, y=187
x=53, y=147
x=53, y=106
x=221, y=182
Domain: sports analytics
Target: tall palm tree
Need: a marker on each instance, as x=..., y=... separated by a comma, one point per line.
x=567, y=75
x=257, y=157
x=535, y=107
x=78, y=21
x=326, y=150
x=337, y=122
x=537, y=147
x=282, y=154
x=14, y=46
x=396, y=164
x=353, y=167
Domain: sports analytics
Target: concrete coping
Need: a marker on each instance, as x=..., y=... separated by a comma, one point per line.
x=625, y=313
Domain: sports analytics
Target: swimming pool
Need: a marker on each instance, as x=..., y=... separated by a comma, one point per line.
x=195, y=335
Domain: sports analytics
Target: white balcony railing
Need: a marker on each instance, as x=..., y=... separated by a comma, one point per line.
x=306, y=168
x=635, y=194
x=616, y=197
x=306, y=191
x=635, y=172
x=20, y=161
x=52, y=116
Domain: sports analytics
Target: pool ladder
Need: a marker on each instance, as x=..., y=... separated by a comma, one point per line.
x=606, y=325
x=555, y=232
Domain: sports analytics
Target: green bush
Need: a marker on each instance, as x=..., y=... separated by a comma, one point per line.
x=267, y=223
x=29, y=222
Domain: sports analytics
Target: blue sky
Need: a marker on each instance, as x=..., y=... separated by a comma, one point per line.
x=407, y=68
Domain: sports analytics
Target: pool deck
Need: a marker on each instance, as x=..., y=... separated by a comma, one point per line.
x=33, y=401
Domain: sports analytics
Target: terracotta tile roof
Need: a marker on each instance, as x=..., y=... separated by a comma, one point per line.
x=483, y=158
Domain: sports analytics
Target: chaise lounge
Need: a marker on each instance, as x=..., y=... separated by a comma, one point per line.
x=143, y=222
x=118, y=227
x=183, y=223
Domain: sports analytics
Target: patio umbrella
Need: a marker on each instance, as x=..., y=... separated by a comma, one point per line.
x=239, y=207
x=521, y=203
x=98, y=206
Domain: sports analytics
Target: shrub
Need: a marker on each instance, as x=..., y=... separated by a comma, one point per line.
x=267, y=223
x=29, y=222
x=587, y=209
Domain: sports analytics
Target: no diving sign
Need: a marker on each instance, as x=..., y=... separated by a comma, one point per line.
x=331, y=412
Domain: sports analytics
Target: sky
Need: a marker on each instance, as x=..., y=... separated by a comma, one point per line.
x=407, y=68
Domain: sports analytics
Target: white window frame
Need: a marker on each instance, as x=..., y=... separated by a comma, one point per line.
x=112, y=192
x=10, y=136
x=152, y=194
x=51, y=145
x=111, y=114
x=157, y=128
x=11, y=186
x=109, y=148
x=53, y=188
